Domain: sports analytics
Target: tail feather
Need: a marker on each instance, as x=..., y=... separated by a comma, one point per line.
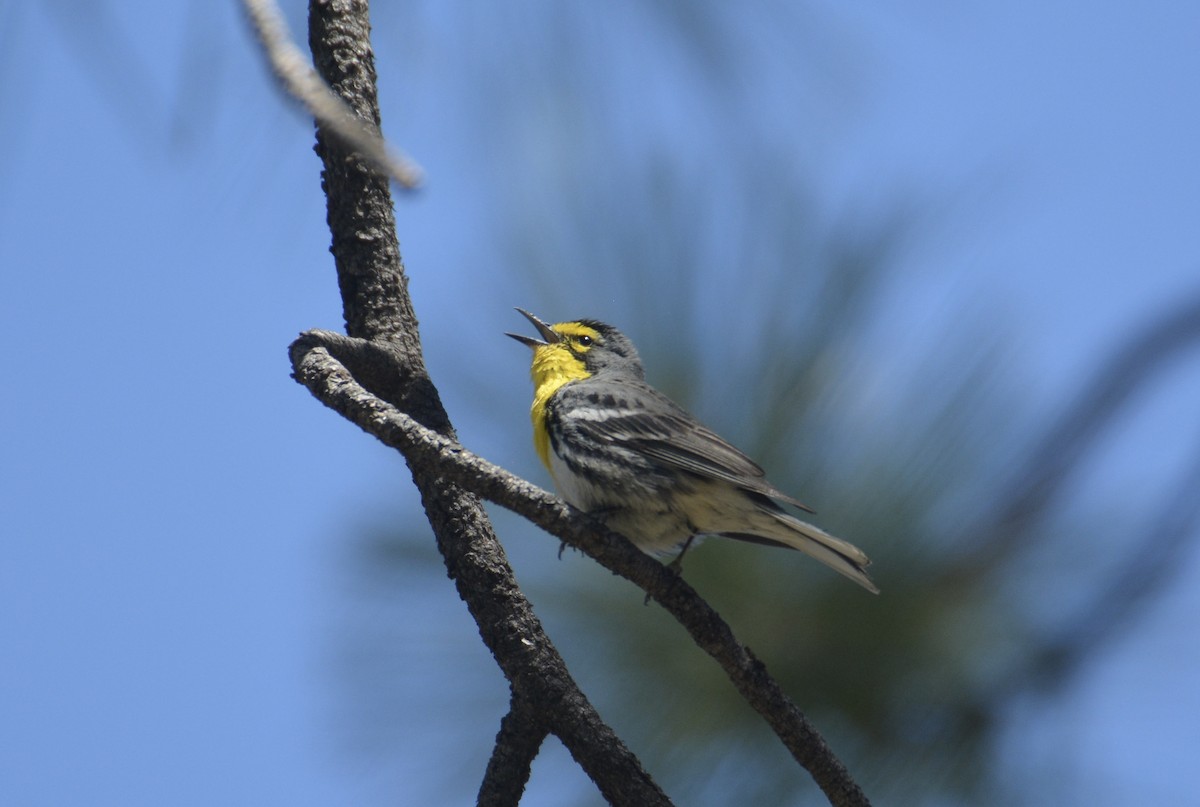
x=782, y=529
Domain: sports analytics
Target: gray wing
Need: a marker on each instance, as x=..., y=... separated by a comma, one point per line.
x=638, y=417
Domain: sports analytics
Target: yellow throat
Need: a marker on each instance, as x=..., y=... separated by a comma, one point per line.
x=555, y=365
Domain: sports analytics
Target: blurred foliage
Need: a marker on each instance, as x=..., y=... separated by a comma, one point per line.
x=758, y=308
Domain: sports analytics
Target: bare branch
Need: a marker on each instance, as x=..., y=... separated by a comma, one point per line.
x=477, y=564
x=300, y=81
x=520, y=737
x=377, y=306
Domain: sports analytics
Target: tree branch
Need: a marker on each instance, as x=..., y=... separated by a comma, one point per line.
x=329, y=381
x=301, y=82
x=360, y=212
x=520, y=737
x=376, y=305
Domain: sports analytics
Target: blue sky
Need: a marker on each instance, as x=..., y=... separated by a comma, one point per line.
x=172, y=500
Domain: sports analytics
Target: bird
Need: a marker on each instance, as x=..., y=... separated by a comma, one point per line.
x=628, y=455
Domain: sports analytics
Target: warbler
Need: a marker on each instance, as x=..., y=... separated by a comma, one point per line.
x=622, y=451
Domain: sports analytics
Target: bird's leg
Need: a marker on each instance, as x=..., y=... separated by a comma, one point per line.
x=677, y=564
x=600, y=514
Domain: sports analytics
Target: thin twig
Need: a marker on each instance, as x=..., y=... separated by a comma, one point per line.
x=301, y=82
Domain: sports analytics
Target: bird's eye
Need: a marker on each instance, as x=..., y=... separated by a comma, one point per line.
x=585, y=341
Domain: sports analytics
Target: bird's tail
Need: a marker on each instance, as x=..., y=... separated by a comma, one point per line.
x=782, y=529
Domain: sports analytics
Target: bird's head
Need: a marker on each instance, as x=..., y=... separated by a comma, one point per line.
x=578, y=349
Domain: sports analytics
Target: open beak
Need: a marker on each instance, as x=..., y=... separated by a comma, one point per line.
x=548, y=335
